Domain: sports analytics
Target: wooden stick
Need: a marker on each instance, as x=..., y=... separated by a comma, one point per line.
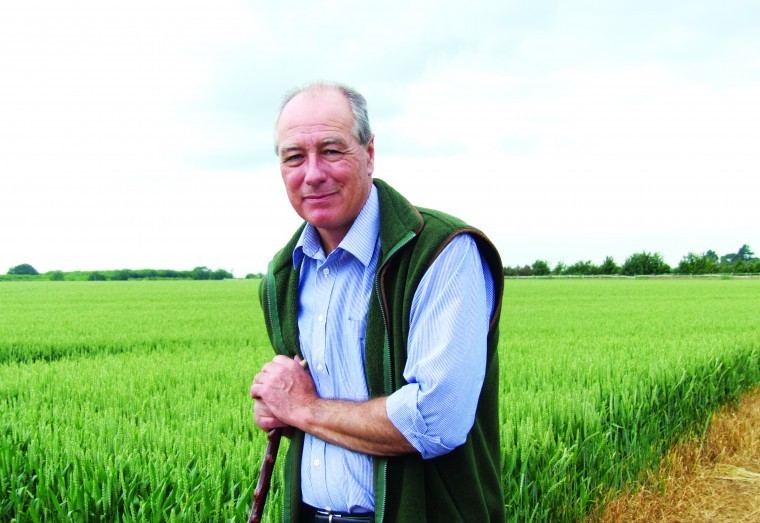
x=267, y=467
x=265, y=475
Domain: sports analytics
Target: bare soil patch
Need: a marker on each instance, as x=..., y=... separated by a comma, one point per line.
x=715, y=480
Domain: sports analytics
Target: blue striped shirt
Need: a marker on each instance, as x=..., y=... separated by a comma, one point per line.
x=446, y=352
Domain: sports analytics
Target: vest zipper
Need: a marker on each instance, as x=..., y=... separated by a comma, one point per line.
x=383, y=462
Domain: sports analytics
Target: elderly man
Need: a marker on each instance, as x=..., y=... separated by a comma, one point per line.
x=396, y=309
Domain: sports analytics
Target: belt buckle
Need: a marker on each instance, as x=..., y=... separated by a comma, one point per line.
x=329, y=515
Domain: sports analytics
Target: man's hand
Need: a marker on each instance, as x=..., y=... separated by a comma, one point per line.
x=281, y=388
x=286, y=397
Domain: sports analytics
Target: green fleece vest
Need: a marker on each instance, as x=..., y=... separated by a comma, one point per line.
x=463, y=485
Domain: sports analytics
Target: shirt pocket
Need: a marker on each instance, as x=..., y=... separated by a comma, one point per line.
x=352, y=378
x=357, y=328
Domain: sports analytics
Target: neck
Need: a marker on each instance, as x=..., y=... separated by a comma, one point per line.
x=331, y=239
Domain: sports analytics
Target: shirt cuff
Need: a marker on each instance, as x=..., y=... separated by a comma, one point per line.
x=401, y=408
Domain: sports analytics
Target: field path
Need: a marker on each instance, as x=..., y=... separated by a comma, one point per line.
x=717, y=480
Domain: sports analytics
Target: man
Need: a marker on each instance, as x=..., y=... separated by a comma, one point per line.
x=396, y=310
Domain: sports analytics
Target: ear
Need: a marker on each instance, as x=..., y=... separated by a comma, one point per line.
x=371, y=155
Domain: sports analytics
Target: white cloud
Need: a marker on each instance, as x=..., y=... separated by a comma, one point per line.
x=139, y=134
x=584, y=156
x=98, y=88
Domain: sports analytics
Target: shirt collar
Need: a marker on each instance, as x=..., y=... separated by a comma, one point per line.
x=360, y=240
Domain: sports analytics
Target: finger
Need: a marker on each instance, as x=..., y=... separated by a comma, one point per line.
x=280, y=360
x=267, y=424
x=302, y=362
x=263, y=417
x=260, y=410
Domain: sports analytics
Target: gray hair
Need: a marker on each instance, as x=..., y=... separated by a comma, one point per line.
x=358, y=103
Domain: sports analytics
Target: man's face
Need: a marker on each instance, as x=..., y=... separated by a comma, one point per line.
x=327, y=173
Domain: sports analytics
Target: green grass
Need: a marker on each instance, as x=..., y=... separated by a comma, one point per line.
x=128, y=401
x=53, y=320
x=600, y=377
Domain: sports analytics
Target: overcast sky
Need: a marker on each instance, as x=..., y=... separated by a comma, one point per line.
x=139, y=134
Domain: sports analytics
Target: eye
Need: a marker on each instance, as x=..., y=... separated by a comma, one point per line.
x=332, y=152
x=292, y=158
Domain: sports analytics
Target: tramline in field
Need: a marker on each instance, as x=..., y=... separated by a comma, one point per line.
x=129, y=400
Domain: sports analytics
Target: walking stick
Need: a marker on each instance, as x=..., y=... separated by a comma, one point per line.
x=265, y=475
x=267, y=467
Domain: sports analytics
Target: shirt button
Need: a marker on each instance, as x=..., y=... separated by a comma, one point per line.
x=320, y=318
x=326, y=271
x=316, y=462
x=320, y=367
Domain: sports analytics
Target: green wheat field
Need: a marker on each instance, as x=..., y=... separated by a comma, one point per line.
x=128, y=401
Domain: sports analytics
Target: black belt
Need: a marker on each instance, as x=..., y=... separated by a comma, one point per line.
x=325, y=516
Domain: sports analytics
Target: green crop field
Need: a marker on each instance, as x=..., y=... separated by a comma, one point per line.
x=128, y=401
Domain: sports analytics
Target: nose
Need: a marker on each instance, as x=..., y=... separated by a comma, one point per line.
x=314, y=173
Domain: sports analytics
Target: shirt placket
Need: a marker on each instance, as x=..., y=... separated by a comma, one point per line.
x=324, y=281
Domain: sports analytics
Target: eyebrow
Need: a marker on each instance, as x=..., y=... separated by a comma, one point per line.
x=289, y=149
x=334, y=141
x=327, y=141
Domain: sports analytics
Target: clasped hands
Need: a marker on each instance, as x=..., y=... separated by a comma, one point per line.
x=282, y=390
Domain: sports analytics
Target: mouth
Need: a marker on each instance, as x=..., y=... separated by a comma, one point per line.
x=316, y=198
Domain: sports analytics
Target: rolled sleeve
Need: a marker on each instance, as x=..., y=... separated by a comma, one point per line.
x=401, y=407
x=446, y=353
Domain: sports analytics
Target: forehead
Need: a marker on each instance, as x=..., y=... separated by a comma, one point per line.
x=318, y=114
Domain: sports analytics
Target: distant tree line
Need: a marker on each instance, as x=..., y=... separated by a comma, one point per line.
x=26, y=271
x=23, y=270
x=646, y=263
x=643, y=263
x=199, y=273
